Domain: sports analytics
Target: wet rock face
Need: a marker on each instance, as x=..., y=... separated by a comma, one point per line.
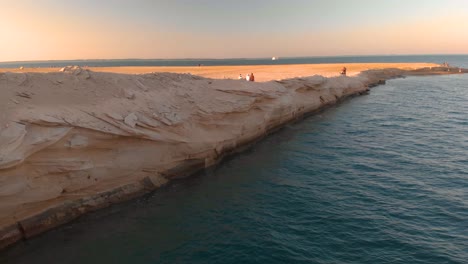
x=79, y=145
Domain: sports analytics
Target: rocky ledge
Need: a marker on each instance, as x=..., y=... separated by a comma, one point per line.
x=75, y=141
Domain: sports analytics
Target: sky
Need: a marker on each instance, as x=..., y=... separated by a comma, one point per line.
x=151, y=29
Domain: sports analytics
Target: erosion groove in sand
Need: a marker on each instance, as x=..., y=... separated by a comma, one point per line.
x=78, y=140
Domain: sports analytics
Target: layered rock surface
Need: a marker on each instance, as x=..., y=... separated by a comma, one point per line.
x=76, y=140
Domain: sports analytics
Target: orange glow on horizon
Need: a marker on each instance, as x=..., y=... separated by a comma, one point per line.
x=31, y=35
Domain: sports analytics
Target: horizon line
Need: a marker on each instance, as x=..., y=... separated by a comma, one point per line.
x=244, y=58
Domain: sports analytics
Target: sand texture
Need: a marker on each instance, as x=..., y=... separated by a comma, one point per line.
x=78, y=140
x=262, y=73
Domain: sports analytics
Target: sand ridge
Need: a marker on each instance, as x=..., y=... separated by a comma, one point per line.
x=262, y=73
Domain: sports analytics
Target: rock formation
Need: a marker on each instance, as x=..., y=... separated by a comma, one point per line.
x=75, y=140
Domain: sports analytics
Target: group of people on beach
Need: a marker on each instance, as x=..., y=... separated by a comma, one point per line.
x=250, y=77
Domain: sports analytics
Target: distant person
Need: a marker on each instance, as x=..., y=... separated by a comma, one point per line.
x=343, y=71
x=241, y=77
x=247, y=78
x=252, y=77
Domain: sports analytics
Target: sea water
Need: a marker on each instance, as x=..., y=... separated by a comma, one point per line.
x=455, y=60
x=381, y=178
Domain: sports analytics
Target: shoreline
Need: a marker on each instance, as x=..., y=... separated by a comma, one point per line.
x=131, y=134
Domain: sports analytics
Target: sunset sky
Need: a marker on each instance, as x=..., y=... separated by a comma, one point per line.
x=111, y=29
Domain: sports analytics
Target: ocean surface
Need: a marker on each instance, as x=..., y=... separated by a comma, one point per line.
x=455, y=60
x=380, y=178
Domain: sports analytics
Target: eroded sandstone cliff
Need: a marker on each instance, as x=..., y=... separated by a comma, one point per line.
x=75, y=141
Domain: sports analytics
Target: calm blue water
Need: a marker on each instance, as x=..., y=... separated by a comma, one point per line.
x=455, y=60
x=381, y=178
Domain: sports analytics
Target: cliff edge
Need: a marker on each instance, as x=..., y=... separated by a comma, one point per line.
x=76, y=140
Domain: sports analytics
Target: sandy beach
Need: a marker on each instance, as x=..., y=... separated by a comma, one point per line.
x=262, y=72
